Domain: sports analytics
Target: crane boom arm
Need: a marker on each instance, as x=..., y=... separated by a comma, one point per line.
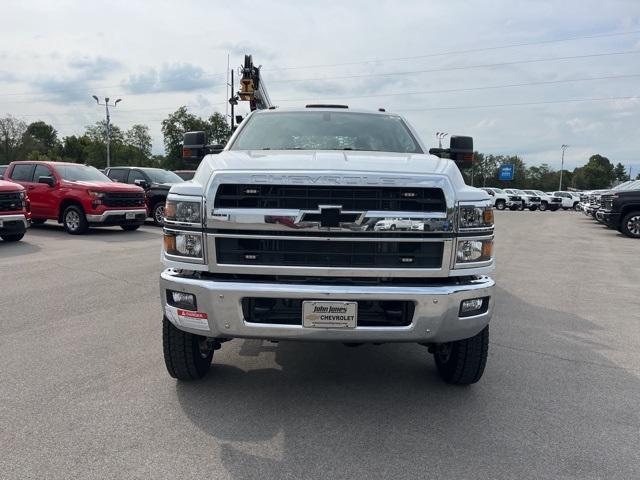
x=252, y=87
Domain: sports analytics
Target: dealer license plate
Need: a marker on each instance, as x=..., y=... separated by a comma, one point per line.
x=130, y=215
x=316, y=314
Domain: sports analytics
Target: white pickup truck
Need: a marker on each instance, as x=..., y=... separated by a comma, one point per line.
x=502, y=199
x=275, y=238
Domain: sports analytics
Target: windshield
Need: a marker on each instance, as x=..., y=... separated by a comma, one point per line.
x=324, y=130
x=497, y=190
x=157, y=175
x=530, y=192
x=80, y=173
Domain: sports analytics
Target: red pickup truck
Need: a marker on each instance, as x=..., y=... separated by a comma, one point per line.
x=15, y=216
x=78, y=196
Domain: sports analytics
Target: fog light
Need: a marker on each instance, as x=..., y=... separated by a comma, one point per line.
x=186, y=301
x=473, y=306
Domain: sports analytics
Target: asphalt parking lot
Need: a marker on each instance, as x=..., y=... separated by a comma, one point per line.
x=84, y=392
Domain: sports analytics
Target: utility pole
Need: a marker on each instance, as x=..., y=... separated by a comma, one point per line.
x=106, y=108
x=564, y=147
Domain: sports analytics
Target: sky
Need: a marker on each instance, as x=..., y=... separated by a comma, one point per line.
x=521, y=77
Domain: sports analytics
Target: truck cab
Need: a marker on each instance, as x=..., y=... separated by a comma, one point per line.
x=275, y=238
x=78, y=196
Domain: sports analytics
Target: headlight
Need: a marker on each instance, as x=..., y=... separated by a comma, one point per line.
x=96, y=194
x=475, y=217
x=470, y=251
x=182, y=211
x=183, y=244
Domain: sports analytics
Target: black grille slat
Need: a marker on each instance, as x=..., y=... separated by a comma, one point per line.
x=288, y=311
x=310, y=197
x=313, y=253
x=133, y=199
x=10, y=202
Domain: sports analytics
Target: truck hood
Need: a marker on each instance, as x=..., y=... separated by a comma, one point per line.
x=330, y=163
x=10, y=186
x=106, y=186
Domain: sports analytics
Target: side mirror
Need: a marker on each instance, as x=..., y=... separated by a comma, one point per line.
x=460, y=151
x=47, y=180
x=141, y=183
x=194, y=148
x=239, y=119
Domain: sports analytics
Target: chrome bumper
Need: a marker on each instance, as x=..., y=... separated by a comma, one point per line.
x=104, y=217
x=436, y=318
x=15, y=218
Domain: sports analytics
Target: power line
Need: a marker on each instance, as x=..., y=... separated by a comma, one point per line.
x=522, y=104
x=461, y=67
x=471, y=89
x=454, y=52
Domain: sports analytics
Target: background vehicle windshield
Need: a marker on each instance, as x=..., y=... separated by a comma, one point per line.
x=80, y=173
x=324, y=130
x=157, y=175
x=497, y=190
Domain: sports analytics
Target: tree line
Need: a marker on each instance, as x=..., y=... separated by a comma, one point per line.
x=598, y=173
x=39, y=140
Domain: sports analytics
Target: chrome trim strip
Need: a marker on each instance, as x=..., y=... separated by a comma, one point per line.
x=109, y=213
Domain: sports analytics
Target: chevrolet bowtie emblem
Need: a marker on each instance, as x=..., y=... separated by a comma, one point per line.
x=329, y=216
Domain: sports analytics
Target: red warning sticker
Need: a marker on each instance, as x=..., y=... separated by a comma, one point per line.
x=190, y=314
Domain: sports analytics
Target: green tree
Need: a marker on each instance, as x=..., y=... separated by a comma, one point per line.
x=138, y=141
x=598, y=173
x=620, y=173
x=181, y=121
x=44, y=136
x=12, y=131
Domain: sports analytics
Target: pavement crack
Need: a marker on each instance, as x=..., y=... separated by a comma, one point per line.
x=559, y=357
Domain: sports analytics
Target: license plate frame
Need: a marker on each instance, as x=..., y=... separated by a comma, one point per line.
x=329, y=314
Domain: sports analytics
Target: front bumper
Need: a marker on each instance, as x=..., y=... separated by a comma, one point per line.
x=436, y=318
x=13, y=224
x=611, y=219
x=119, y=217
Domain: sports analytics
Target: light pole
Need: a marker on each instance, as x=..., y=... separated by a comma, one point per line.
x=106, y=107
x=564, y=147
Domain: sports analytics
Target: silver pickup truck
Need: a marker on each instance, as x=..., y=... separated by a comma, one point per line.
x=275, y=238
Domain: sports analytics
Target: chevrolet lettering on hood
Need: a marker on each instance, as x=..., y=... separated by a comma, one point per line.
x=329, y=180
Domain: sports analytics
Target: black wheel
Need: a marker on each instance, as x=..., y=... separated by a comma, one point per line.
x=38, y=221
x=129, y=228
x=576, y=206
x=543, y=206
x=512, y=208
x=157, y=213
x=630, y=225
x=74, y=220
x=500, y=205
x=463, y=362
x=393, y=227
x=14, y=237
x=521, y=207
x=533, y=208
x=187, y=356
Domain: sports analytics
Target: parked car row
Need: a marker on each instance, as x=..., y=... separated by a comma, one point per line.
x=515, y=199
x=79, y=196
x=617, y=208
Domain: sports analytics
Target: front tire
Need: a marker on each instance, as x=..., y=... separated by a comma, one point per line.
x=74, y=220
x=157, y=213
x=576, y=207
x=500, y=205
x=533, y=208
x=187, y=356
x=521, y=207
x=463, y=362
x=543, y=206
x=129, y=228
x=630, y=225
x=14, y=237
